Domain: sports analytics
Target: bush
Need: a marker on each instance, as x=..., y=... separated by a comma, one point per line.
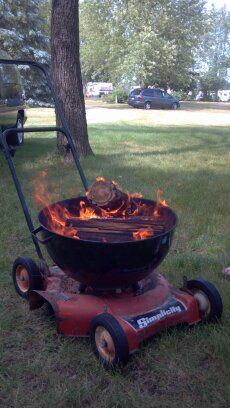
x=121, y=95
x=182, y=95
x=36, y=103
x=109, y=98
x=118, y=95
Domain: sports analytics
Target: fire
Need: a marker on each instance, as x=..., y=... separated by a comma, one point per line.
x=160, y=203
x=58, y=216
x=86, y=213
x=136, y=195
x=143, y=233
x=100, y=179
x=41, y=194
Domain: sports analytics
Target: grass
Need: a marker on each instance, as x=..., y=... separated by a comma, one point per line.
x=185, y=368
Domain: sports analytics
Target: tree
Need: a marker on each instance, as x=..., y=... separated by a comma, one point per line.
x=153, y=42
x=214, y=60
x=95, y=41
x=25, y=34
x=66, y=72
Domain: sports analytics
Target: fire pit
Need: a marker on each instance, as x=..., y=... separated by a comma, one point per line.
x=105, y=252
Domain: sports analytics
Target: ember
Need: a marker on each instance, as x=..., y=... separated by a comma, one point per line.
x=143, y=233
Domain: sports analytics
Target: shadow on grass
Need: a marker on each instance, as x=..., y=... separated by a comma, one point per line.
x=140, y=129
x=191, y=139
x=122, y=149
x=113, y=158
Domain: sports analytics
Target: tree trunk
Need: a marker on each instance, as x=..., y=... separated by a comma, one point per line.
x=66, y=72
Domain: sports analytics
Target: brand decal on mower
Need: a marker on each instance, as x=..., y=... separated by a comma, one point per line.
x=172, y=307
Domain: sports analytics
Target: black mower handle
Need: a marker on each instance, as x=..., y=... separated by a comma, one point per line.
x=42, y=241
x=59, y=111
x=8, y=154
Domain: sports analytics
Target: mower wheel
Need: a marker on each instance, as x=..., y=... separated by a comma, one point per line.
x=26, y=276
x=108, y=341
x=208, y=299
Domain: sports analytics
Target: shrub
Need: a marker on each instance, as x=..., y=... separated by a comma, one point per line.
x=109, y=98
x=118, y=95
x=181, y=95
x=121, y=95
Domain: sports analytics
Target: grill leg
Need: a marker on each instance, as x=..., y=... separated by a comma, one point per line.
x=82, y=288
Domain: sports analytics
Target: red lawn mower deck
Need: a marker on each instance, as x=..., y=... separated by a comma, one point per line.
x=117, y=320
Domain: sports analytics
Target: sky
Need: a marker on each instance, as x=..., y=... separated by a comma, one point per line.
x=218, y=3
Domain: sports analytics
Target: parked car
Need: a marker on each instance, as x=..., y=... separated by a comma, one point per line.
x=152, y=98
x=12, y=102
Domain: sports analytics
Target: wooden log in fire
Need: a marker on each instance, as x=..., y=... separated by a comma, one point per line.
x=105, y=237
x=105, y=194
x=116, y=225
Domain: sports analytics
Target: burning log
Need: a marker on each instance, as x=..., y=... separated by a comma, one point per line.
x=116, y=230
x=106, y=194
x=105, y=236
x=116, y=224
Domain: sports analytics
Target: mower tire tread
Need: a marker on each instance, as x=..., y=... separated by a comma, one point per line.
x=35, y=279
x=212, y=294
x=112, y=326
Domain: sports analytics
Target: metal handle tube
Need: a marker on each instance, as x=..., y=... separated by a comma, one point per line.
x=33, y=129
x=42, y=241
x=8, y=157
x=59, y=111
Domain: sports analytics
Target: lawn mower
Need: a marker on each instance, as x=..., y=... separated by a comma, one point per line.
x=104, y=283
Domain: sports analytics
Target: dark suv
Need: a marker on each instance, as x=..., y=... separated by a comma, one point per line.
x=12, y=101
x=152, y=98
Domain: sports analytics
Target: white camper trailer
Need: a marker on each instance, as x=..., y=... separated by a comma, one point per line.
x=97, y=89
x=224, y=95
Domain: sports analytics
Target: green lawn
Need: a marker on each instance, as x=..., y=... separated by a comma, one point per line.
x=182, y=368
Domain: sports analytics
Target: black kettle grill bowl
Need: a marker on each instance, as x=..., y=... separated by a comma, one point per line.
x=106, y=264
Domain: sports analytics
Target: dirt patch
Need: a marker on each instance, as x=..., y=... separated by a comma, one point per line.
x=190, y=114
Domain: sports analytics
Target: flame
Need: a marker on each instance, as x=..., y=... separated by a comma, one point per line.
x=143, y=233
x=41, y=195
x=160, y=203
x=86, y=213
x=57, y=216
x=100, y=179
x=136, y=195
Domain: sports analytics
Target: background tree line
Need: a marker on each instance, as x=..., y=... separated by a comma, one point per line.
x=25, y=34
x=168, y=43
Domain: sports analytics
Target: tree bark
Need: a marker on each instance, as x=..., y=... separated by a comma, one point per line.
x=66, y=73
